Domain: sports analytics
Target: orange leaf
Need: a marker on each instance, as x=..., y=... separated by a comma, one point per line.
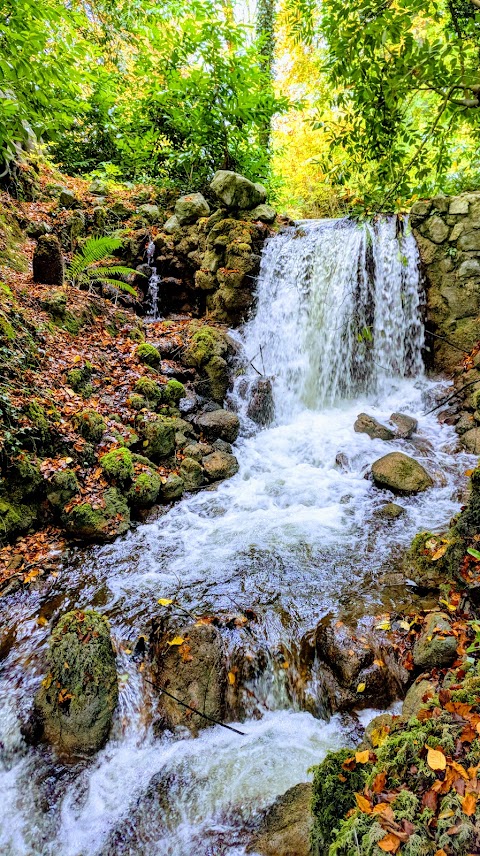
x=436, y=759
x=379, y=783
x=469, y=804
x=389, y=844
x=362, y=757
x=363, y=804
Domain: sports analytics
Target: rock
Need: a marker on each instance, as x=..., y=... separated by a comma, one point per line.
x=61, y=487
x=189, y=209
x=48, y=264
x=468, y=268
x=236, y=191
x=470, y=440
x=458, y=205
x=264, y=213
x=158, y=436
x=465, y=423
x=98, y=187
x=173, y=488
x=197, y=451
x=417, y=697
x=366, y=424
x=389, y=511
x=219, y=424
x=338, y=646
x=55, y=303
x=406, y=425
x=261, y=407
x=67, y=199
x=191, y=473
x=36, y=230
x=195, y=672
x=218, y=378
x=220, y=465
x=400, y=474
x=433, y=649
x=222, y=446
x=172, y=225
x=421, y=210
x=77, y=717
x=102, y=520
x=286, y=826
x=377, y=728
x=436, y=229
x=150, y=213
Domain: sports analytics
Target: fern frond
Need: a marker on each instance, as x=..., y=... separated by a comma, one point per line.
x=95, y=249
x=117, y=283
x=107, y=270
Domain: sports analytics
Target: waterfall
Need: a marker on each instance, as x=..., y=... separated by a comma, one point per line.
x=153, y=286
x=338, y=312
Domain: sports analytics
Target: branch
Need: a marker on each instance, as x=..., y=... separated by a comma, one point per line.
x=194, y=709
x=476, y=3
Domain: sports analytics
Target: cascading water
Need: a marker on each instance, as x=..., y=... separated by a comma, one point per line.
x=153, y=286
x=292, y=536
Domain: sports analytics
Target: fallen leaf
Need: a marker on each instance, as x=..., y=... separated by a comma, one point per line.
x=361, y=688
x=389, y=844
x=379, y=783
x=363, y=804
x=231, y=678
x=469, y=804
x=164, y=601
x=362, y=757
x=436, y=759
x=177, y=640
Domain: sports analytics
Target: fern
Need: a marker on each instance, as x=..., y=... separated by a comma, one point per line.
x=85, y=271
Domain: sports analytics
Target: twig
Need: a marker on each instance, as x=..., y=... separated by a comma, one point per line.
x=443, y=339
x=454, y=395
x=193, y=709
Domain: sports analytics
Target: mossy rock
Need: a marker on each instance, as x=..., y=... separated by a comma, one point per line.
x=62, y=486
x=147, y=354
x=137, y=402
x=173, y=392
x=91, y=425
x=218, y=378
x=333, y=795
x=118, y=465
x=149, y=389
x=25, y=472
x=205, y=343
x=79, y=379
x=42, y=433
x=16, y=519
x=401, y=474
x=78, y=696
x=173, y=488
x=103, y=521
x=158, y=436
x=191, y=472
x=55, y=304
x=145, y=489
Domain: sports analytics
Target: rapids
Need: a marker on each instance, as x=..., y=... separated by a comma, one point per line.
x=293, y=537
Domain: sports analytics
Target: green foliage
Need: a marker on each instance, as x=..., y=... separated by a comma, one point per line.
x=333, y=796
x=84, y=270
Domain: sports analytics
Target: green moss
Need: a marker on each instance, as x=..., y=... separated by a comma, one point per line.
x=332, y=796
x=148, y=354
x=62, y=486
x=15, y=519
x=55, y=304
x=137, y=402
x=73, y=323
x=158, y=436
x=136, y=335
x=173, y=488
x=173, y=392
x=145, y=489
x=41, y=434
x=7, y=332
x=118, y=465
x=206, y=343
x=149, y=389
x=26, y=471
x=91, y=425
x=78, y=379
x=100, y=523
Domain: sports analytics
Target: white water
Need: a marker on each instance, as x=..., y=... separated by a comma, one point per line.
x=291, y=536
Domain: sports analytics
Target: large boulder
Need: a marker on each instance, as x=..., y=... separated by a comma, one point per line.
x=48, y=264
x=75, y=704
x=102, y=519
x=189, y=209
x=261, y=407
x=190, y=663
x=236, y=191
x=219, y=424
x=400, y=474
x=220, y=465
x=366, y=424
x=437, y=645
x=285, y=828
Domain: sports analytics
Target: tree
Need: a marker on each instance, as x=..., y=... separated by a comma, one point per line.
x=266, y=39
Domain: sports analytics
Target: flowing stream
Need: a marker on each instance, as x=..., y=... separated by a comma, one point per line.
x=292, y=537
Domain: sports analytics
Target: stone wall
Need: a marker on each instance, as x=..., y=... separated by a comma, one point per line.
x=447, y=230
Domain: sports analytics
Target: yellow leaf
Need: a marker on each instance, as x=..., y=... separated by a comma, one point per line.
x=361, y=688
x=231, y=678
x=164, y=601
x=469, y=804
x=362, y=757
x=177, y=640
x=379, y=735
x=379, y=663
x=42, y=621
x=384, y=625
x=436, y=759
x=363, y=804
x=47, y=681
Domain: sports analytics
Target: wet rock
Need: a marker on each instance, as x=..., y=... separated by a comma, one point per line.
x=191, y=472
x=100, y=520
x=465, y=423
x=406, y=425
x=366, y=424
x=193, y=671
x=376, y=729
x=389, y=511
x=189, y=208
x=423, y=563
x=338, y=646
x=220, y=465
x=434, y=648
x=222, y=446
x=48, y=264
x=470, y=440
x=197, y=451
x=75, y=704
x=286, y=826
x=400, y=474
x=158, y=436
x=173, y=488
x=236, y=191
x=261, y=408
x=436, y=230
x=219, y=424
x=416, y=698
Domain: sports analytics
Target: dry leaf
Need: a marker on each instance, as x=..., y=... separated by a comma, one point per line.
x=164, y=601
x=362, y=757
x=436, y=759
x=231, y=678
x=389, y=844
x=363, y=804
x=177, y=640
x=469, y=804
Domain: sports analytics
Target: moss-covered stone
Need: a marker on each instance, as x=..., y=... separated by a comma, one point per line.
x=173, y=488
x=25, y=471
x=137, y=402
x=79, y=694
x=104, y=521
x=334, y=787
x=42, y=431
x=173, y=392
x=147, y=354
x=48, y=264
x=158, y=436
x=191, y=472
x=91, y=425
x=55, y=304
x=145, y=489
x=149, y=389
x=79, y=378
x=118, y=465
x=205, y=343
x=62, y=486
x=15, y=518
